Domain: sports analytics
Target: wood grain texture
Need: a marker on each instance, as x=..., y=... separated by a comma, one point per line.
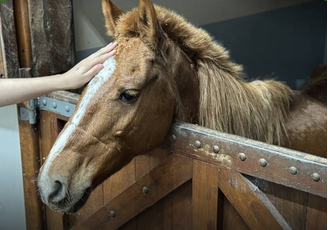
x=316, y=217
x=8, y=40
x=231, y=218
x=253, y=206
x=160, y=181
x=23, y=33
x=52, y=36
x=29, y=142
x=204, y=195
x=49, y=133
x=279, y=160
x=290, y=203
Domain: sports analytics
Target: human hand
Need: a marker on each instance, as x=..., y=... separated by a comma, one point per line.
x=82, y=72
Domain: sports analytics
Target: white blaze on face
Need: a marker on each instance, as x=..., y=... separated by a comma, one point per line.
x=93, y=86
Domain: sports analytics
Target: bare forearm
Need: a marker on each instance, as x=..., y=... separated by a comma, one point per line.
x=18, y=90
x=13, y=91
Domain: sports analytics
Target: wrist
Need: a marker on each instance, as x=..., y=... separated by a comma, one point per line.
x=59, y=82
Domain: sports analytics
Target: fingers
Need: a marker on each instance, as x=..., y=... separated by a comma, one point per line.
x=97, y=58
x=93, y=71
x=105, y=49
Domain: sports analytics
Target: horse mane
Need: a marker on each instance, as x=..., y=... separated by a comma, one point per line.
x=257, y=110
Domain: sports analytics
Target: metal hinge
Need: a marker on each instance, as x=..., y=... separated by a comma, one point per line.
x=30, y=112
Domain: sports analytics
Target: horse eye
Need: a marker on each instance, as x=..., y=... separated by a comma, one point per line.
x=128, y=96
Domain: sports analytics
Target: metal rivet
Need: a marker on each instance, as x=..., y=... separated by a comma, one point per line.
x=145, y=190
x=263, y=162
x=67, y=109
x=242, y=156
x=198, y=144
x=44, y=102
x=43, y=158
x=216, y=148
x=54, y=105
x=112, y=214
x=173, y=138
x=315, y=177
x=293, y=170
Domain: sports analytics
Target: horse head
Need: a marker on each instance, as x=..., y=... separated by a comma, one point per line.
x=125, y=110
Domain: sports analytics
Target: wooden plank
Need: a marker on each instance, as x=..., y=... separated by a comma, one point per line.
x=30, y=155
x=181, y=207
x=204, y=195
x=231, y=219
x=52, y=36
x=23, y=33
x=289, y=202
x=29, y=142
x=66, y=96
x=158, y=215
x=278, y=160
x=316, y=217
x=49, y=133
x=163, y=179
x=253, y=206
x=8, y=40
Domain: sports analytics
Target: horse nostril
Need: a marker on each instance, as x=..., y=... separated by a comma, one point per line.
x=58, y=192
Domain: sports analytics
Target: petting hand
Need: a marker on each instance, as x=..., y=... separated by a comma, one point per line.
x=82, y=72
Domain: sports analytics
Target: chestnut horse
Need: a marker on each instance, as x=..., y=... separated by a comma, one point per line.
x=167, y=70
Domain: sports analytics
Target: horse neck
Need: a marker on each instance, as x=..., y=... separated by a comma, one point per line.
x=256, y=110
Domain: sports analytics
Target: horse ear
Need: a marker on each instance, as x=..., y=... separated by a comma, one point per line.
x=149, y=27
x=112, y=14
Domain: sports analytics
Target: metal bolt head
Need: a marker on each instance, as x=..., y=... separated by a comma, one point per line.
x=173, y=138
x=198, y=144
x=315, y=177
x=293, y=170
x=145, y=190
x=263, y=162
x=242, y=156
x=54, y=105
x=216, y=148
x=44, y=102
x=67, y=109
x=112, y=214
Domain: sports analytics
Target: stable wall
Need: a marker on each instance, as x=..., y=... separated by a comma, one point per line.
x=12, y=211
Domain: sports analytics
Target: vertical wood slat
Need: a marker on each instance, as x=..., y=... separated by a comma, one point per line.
x=52, y=36
x=30, y=155
x=49, y=133
x=316, y=217
x=204, y=195
x=289, y=202
x=9, y=51
x=23, y=33
x=231, y=219
x=254, y=207
x=158, y=214
x=29, y=139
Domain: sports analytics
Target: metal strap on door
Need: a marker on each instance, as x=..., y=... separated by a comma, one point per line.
x=45, y=103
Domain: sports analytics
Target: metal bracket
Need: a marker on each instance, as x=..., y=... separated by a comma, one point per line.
x=59, y=107
x=45, y=103
x=29, y=113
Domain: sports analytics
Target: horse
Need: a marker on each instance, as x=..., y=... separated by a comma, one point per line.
x=167, y=70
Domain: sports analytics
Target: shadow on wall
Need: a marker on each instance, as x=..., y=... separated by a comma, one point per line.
x=286, y=44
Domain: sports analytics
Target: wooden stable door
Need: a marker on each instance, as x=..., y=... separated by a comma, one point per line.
x=198, y=178
x=184, y=185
